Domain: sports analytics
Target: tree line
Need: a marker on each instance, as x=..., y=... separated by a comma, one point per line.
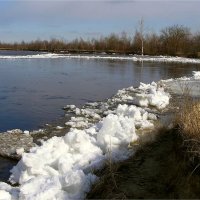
x=176, y=40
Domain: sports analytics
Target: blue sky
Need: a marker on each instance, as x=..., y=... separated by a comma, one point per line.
x=29, y=20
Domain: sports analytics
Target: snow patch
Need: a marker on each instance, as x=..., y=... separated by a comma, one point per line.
x=184, y=85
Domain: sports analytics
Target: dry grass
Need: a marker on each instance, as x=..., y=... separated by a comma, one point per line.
x=107, y=187
x=188, y=122
x=158, y=170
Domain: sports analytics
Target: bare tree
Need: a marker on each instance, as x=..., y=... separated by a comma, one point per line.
x=175, y=39
x=138, y=40
x=141, y=32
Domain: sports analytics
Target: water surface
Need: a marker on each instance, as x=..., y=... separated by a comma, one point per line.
x=33, y=91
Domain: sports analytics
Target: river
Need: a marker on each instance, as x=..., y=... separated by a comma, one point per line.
x=33, y=91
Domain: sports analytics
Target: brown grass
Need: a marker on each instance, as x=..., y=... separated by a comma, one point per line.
x=188, y=121
x=158, y=170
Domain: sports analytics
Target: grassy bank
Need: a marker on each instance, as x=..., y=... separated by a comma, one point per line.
x=167, y=167
x=160, y=169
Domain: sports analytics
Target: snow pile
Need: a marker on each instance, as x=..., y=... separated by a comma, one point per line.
x=152, y=95
x=145, y=95
x=62, y=166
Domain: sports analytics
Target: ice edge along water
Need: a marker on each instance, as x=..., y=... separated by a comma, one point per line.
x=134, y=58
x=61, y=168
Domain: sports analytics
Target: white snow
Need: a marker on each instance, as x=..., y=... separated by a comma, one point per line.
x=196, y=75
x=184, y=85
x=152, y=95
x=15, y=131
x=20, y=151
x=77, y=122
x=8, y=193
x=26, y=132
x=4, y=195
x=134, y=58
x=59, y=127
x=62, y=167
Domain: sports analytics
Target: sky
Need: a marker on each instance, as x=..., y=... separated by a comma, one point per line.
x=63, y=19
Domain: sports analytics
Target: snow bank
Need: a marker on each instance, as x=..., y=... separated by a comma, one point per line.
x=184, y=85
x=152, y=95
x=135, y=58
x=145, y=95
x=61, y=168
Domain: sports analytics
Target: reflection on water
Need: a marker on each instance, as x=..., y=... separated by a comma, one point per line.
x=33, y=91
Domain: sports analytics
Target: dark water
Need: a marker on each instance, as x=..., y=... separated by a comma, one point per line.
x=33, y=91
x=5, y=166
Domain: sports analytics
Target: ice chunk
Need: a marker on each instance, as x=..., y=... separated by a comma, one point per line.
x=116, y=132
x=59, y=127
x=4, y=195
x=20, y=151
x=26, y=132
x=62, y=166
x=196, y=74
x=152, y=95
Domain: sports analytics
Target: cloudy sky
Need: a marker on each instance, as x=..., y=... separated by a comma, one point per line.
x=63, y=19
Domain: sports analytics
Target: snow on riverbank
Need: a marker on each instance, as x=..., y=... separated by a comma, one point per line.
x=184, y=85
x=61, y=168
x=134, y=58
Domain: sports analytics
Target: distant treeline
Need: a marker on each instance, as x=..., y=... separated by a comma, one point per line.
x=173, y=40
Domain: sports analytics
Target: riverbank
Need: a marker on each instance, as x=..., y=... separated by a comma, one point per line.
x=100, y=132
x=160, y=169
x=165, y=167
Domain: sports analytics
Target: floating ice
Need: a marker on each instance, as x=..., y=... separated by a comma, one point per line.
x=134, y=58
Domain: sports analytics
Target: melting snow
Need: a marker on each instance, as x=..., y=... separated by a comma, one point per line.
x=184, y=85
x=61, y=168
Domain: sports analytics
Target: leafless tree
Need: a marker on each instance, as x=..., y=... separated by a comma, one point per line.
x=175, y=39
